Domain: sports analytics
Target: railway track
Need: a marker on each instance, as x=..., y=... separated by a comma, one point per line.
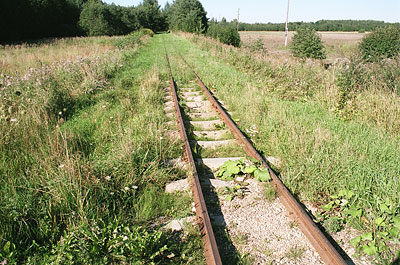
x=205, y=115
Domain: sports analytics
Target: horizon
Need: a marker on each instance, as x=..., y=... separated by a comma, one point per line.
x=257, y=11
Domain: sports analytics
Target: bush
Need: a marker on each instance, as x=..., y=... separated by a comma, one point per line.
x=225, y=33
x=382, y=43
x=307, y=43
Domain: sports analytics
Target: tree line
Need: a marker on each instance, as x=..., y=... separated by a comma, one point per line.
x=320, y=25
x=34, y=19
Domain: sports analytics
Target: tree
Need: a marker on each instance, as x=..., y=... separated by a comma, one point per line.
x=307, y=43
x=188, y=16
x=150, y=16
x=95, y=19
x=381, y=43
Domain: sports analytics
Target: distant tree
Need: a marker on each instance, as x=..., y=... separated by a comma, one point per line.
x=188, y=16
x=96, y=19
x=225, y=33
x=307, y=43
x=381, y=43
x=150, y=16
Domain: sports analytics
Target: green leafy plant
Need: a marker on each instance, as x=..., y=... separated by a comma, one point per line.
x=235, y=191
x=381, y=43
x=307, y=43
x=251, y=167
x=382, y=229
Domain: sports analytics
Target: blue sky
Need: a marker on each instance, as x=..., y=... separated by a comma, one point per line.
x=300, y=10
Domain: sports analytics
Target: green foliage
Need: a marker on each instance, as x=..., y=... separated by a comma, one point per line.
x=307, y=43
x=382, y=229
x=150, y=16
x=110, y=243
x=381, y=43
x=357, y=76
x=231, y=168
x=187, y=16
x=235, y=191
x=98, y=18
x=225, y=33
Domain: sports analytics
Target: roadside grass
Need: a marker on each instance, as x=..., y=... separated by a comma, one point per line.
x=82, y=165
x=289, y=109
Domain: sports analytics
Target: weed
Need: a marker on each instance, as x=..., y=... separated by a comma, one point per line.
x=270, y=193
x=295, y=253
x=240, y=239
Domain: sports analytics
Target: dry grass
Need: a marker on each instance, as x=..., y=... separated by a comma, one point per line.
x=338, y=44
x=18, y=59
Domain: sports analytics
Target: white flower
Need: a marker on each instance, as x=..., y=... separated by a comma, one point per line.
x=108, y=178
x=161, y=138
x=126, y=188
x=112, y=193
x=60, y=113
x=125, y=238
x=13, y=120
x=61, y=166
x=134, y=187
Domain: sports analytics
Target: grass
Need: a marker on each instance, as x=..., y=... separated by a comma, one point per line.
x=292, y=106
x=270, y=193
x=81, y=159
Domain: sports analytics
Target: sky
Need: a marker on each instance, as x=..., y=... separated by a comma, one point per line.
x=300, y=10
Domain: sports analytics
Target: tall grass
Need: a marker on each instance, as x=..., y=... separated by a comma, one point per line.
x=81, y=153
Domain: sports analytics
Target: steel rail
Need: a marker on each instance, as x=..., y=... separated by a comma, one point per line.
x=318, y=240
x=210, y=245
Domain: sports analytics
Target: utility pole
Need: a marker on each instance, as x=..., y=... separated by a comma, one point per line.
x=237, y=25
x=286, y=27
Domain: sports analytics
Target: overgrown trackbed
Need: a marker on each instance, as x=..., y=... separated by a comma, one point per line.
x=323, y=246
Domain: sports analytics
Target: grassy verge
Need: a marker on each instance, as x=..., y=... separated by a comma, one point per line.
x=321, y=152
x=81, y=157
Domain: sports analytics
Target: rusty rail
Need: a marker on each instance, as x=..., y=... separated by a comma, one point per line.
x=210, y=245
x=322, y=245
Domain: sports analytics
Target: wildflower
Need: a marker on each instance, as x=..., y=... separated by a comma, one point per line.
x=4, y=262
x=126, y=188
x=134, y=187
x=61, y=166
x=60, y=113
x=161, y=138
x=125, y=238
x=13, y=120
x=108, y=178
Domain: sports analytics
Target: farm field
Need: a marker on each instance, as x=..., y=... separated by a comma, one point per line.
x=83, y=144
x=338, y=44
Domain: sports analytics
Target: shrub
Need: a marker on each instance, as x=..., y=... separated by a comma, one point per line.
x=307, y=43
x=225, y=33
x=381, y=43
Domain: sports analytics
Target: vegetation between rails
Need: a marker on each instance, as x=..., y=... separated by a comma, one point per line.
x=81, y=153
x=322, y=150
